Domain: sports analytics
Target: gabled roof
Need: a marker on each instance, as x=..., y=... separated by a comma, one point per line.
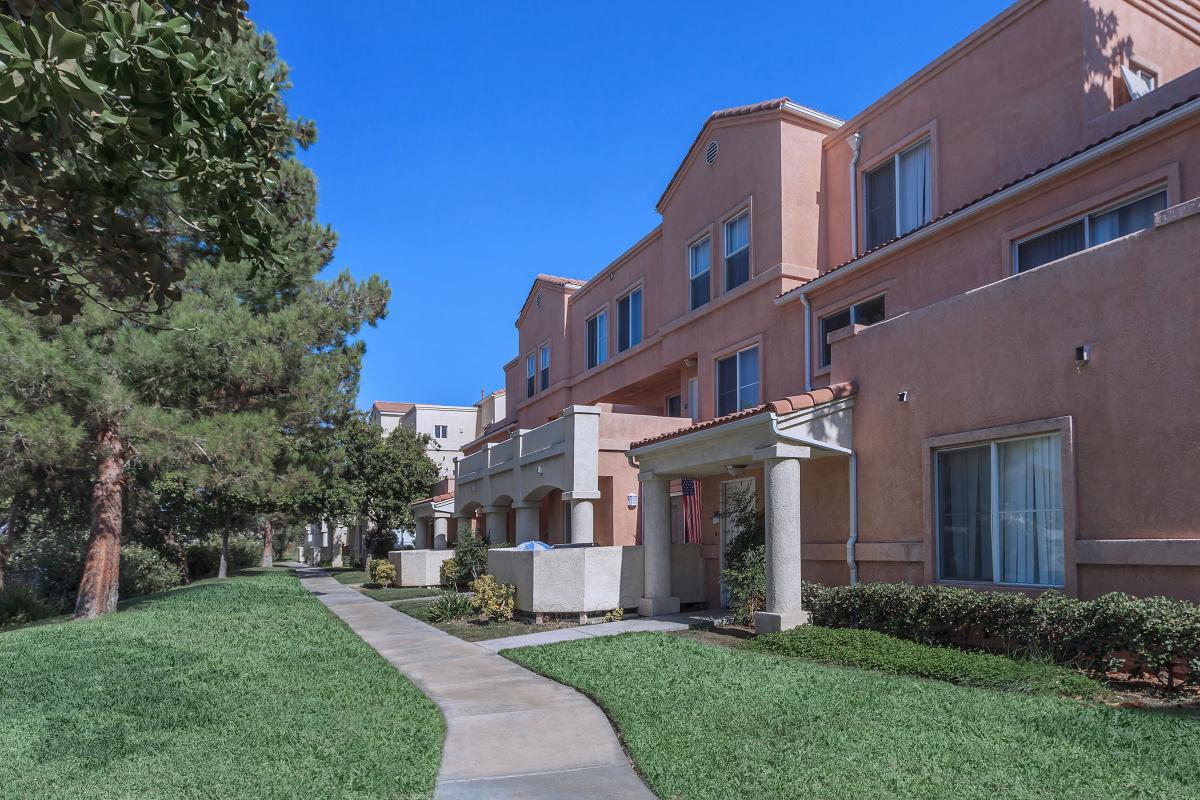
x=1010, y=185
x=387, y=407
x=784, y=405
x=556, y=281
x=782, y=104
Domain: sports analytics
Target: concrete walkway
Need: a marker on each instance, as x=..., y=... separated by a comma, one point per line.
x=509, y=732
x=665, y=624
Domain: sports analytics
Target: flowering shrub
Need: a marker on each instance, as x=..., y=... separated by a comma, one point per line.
x=493, y=601
x=448, y=572
x=383, y=572
x=1153, y=636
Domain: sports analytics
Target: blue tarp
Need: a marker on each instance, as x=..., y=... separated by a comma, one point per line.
x=533, y=546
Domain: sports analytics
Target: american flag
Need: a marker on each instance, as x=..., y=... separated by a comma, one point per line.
x=691, y=511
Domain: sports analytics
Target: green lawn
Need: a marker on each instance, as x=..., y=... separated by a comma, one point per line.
x=714, y=722
x=350, y=577
x=239, y=688
x=399, y=593
x=476, y=631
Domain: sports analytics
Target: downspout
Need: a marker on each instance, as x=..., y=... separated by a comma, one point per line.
x=855, y=142
x=852, y=540
x=807, y=343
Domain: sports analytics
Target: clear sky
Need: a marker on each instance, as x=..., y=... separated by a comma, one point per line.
x=465, y=147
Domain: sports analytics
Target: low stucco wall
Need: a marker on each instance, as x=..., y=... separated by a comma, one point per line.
x=419, y=567
x=590, y=579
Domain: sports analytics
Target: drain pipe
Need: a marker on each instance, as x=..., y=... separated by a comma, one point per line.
x=852, y=541
x=807, y=344
x=855, y=142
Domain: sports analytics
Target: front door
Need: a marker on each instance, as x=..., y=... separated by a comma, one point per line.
x=729, y=489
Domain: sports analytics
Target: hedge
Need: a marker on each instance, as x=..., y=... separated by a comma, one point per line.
x=1153, y=636
x=866, y=649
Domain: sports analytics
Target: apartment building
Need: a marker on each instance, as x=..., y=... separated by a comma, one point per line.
x=448, y=427
x=950, y=339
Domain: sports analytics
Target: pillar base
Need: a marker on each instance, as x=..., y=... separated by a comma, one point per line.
x=657, y=606
x=776, y=621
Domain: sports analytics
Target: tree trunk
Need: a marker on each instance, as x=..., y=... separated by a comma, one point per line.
x=223, y=570
x=10, y=538
x=101, y=568
x=268, y=553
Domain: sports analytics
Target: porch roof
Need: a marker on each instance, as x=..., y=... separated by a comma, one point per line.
x=785, y=405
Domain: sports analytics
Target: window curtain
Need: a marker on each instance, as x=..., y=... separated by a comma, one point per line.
x=1127, y=219
x=965, y=514
x=1031, y=511
x=916, y=200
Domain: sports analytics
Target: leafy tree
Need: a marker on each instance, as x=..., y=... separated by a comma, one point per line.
x=134, y=137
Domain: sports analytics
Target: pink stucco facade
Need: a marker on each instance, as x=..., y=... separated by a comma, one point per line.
x=1029, y=125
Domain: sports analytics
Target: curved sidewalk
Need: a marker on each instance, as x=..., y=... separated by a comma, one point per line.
x=509, y=732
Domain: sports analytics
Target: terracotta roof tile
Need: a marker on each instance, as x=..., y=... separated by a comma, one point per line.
x=395, y=408
x=999, y=189
x=558, y=280
x=786, y=405
x=437, y=498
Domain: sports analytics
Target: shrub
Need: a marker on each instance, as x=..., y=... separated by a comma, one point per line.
x=493, y=601
x=872, y=650
x=21, y=604
x=449, y=606
x=1156, y=635
x=145, y=571
x=745, y=571
x=616, y=615
x=204, y=557
x=448, y=573
x=383, y=572
x=470, y=554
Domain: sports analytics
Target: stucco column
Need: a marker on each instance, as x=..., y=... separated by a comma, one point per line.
x=581, y=522
x=441, y=531
x=497, y=524
x=421, y=534
x=782, y=486
x=656, y=549
x=528, y=521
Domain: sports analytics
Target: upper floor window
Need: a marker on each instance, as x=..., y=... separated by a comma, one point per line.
x=674, y=405
x=597, y=339
x=440, y=432
x=868, y=312
x=530, y=372
x=699, y=270
x=1000, y=512
x=1128, y=216
x=737, y=381
x=629, y=320
x=737, y=250
x=1138, y=80
x=898, y=195
x=545, y=367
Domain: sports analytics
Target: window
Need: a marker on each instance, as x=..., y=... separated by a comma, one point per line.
x=1000, y=512
x=1138, y=80
x=530, y=371
x=440, y=432
x=898, y=195
x=737, y=250
x=868, y=312
x=737, y=382
x=597, y=340
x=675, y=405
x=1128, y=217
x=699, y=267
x=629, y=320
x=545, y=367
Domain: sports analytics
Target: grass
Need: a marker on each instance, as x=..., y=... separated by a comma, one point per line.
x=350, y=577
x=713, y=722
x=872, y=650
x=246, y=687
x=473, y=631
x=399, y=593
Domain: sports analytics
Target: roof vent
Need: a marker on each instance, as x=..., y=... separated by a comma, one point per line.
x=710, y=153
x=538, y=300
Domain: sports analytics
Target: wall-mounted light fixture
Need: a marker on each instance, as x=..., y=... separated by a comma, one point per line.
x=631, y=499
x=716, y=518
x=1083, y=355
x=902, y=397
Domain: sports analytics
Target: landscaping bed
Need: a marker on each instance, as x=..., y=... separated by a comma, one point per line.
x=245, y=687
x=476, y=630
x=394, y=593
x=719, y=722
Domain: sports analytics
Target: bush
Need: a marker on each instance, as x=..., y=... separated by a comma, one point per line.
x=1152, y=636
x=495, y=602
x=745, y=571
x=468, y=563
x=448, y=607
x=21, y=604
x=872, y=650
x=383, y=572
x=146, y=571
x=204, y=557
x=448, y=573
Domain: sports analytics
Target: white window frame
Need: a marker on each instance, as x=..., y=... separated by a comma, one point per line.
x=853, y=307
x=745, y=212
x=629, y=333
x=994, y=467
x=601, y=320
x=705, y=240
x=895, y=159
x=544, y=368
x=1086, y=217
x=530, y=375
x=736, y=355
x=444, y=431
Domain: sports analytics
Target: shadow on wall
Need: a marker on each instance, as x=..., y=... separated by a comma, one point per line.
x=1102, y=62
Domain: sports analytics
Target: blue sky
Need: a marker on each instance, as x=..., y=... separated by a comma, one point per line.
x=465, y=147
